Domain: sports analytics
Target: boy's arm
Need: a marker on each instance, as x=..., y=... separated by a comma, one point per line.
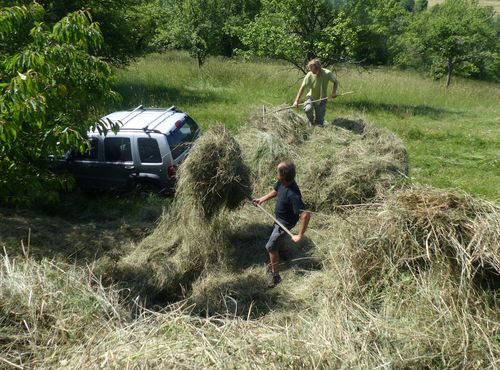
x=304, y=221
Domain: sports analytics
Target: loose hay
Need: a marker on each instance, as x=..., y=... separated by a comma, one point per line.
x=269, y=140
x=230, y=294
x=192, y=236
x=423, y=227
x=347, y=162
x=214, y=176
x=397, y=289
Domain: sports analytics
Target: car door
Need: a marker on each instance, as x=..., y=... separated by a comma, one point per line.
x=150, y=158
x=118, y=165
x=84, y=166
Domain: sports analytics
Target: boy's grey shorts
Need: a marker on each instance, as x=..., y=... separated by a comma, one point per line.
x=276, y=239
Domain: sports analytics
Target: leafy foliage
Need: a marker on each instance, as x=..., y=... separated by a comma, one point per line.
x=457, y=37
x=126, y=25
x=378, y=25
x=335, y=31
x=203, y=27
x=52, y=86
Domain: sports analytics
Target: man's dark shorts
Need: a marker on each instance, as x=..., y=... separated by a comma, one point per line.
x=276, y=239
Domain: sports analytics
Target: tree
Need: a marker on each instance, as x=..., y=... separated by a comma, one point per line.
x=454, y=38
x=298, y=30
x=51, y=88
x=126, y=25
x=420, y=5
x=378, y=24
x=203, y=27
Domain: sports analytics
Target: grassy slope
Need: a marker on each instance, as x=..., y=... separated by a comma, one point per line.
x=316, y=318
x=452, y=135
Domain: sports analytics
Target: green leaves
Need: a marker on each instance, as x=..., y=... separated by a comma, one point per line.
x=296, y=31
x=203, y=27
x=456, y=37
x=51, y=88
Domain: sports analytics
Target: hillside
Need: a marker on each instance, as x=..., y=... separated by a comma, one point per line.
x=390, y=274
x=451, y=135
x=399, y=267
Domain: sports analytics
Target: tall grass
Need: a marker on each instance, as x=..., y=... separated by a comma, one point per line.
x=451, y=134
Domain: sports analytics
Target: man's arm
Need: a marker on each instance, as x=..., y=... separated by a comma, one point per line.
x=335, y=87
x=299, y=96
x=265, y=198
x=304, y=221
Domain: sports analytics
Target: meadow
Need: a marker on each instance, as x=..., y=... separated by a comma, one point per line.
x=452, y=135
x=390, y=274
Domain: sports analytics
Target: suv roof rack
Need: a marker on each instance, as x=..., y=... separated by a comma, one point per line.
x=159, y=119
x=170, y=110
x=144, y=129
x=132, y=112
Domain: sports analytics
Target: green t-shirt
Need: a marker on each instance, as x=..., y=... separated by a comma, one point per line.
x=317, y=85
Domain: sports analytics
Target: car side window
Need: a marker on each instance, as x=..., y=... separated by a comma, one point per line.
x=117, y=149
x=149, y=151
x=182, y=137
x=91, y=154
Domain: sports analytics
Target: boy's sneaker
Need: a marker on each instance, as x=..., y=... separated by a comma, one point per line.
x=275, y=280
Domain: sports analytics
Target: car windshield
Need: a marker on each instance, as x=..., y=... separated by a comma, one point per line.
x=182, y=137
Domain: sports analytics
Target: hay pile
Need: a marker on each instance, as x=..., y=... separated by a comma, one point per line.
x=193, y=235
x=409, y=281
x=419, y=229
x=214, y=176
x=341, y=167
x=268, y=140
x=348, y=162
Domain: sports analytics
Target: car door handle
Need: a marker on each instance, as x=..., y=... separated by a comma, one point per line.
x=129, y=167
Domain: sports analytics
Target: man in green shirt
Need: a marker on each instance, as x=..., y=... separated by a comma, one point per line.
x=315, y=84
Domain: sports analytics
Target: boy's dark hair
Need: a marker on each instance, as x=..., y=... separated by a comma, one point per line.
x=287, y=170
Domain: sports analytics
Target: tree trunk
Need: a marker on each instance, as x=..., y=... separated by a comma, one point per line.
x=450, y=70
x=199, y=58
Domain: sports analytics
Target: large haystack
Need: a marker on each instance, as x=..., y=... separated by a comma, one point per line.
x=192, y=235
x=419, y=229
x=214, y=176
x=342, y=167
x=346, y=162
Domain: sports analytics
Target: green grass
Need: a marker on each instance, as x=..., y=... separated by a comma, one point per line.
x=452, y=135
x=387, y=285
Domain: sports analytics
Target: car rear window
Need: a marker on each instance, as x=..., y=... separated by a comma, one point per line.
x=117, y=149
x=149, y=151
x=182, y=137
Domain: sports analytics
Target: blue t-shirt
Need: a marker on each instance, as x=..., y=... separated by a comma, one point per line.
x=288, y=204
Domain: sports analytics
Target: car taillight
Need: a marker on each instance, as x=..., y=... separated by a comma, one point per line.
x=172, y=171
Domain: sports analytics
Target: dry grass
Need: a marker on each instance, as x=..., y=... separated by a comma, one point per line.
x=348, y=162
x=407, y=281
x=213, y=176
x=192, y=236
x=420, y=227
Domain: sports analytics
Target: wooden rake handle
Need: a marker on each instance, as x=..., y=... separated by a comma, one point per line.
x=312, y=101
x=273, y=218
